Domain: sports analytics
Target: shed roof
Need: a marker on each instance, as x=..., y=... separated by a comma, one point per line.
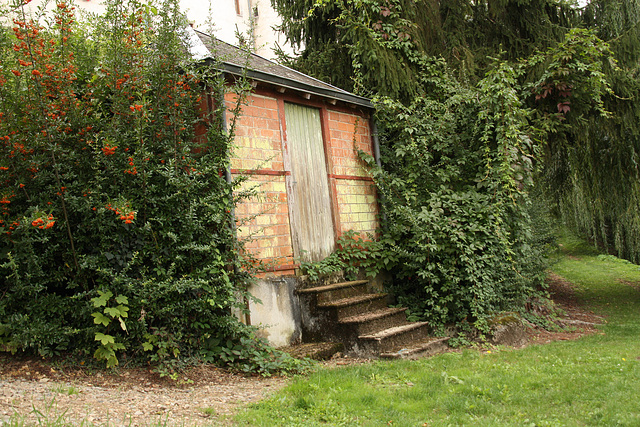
x=234, y=60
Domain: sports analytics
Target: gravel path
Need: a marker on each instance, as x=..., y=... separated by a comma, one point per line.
x=119, y=401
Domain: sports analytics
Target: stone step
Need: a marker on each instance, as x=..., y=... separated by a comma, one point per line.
x=350, y=313
x=371, y=322
x=355, y=305
x=314, y=350
x=425, y=348
x=337, y=291
x=394, y=338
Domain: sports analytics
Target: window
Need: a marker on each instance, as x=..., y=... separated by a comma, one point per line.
x=238, y=11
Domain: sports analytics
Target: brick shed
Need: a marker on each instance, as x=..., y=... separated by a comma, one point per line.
x=297, y=140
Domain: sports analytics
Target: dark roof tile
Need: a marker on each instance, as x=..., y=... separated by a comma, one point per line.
x=234, y=60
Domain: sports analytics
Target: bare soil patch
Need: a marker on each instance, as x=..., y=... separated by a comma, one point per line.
x=575, y=319
x=33, y=391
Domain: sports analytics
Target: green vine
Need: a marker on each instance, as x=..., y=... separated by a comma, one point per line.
x=354, y=255
x=110, y=313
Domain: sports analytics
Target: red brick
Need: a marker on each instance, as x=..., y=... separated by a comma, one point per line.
x=284, y=241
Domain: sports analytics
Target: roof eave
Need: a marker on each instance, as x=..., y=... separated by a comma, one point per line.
x=261, y=76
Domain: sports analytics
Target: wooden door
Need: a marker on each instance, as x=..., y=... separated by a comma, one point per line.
x=308, y=186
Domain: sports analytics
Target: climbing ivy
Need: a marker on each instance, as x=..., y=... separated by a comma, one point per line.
x=457, y=166
x=480, y=104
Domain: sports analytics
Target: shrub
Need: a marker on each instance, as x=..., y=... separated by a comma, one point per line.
x=457, y=167
x=116, y=219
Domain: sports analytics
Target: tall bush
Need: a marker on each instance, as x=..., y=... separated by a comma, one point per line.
x=474, y=98
x=457, y=166
x=115, y=215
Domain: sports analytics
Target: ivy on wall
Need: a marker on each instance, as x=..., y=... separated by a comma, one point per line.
x=479, y=105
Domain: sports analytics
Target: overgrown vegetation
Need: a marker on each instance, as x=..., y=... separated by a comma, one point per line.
x=457, y=165
x=479, y=106
x=590, y=381
x=117, y=238
x=354, y=255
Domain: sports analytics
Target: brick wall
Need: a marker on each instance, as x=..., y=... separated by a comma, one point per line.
x=265, y=218
x=357, y=205
x=354, y=191
x=258, y=154
x=258, y=144
x=348, y=132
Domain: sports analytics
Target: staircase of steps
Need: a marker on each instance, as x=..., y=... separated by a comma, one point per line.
x=359, y=316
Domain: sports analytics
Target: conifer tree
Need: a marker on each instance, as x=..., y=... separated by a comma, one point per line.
x=381, y=40
x=589, y=160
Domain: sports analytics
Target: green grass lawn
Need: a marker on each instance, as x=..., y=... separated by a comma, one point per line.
x=591, y=381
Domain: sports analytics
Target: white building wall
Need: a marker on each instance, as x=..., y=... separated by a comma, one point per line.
x=266, y=37
x=216, y=17
x=219, y=14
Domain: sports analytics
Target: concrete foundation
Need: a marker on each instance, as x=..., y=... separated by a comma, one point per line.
x=278, y=316
x=281, y=314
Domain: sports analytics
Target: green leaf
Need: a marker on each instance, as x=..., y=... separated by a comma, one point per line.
x=123, y=310
x=147, y=346
x=113, y=312
x=121, y=299
x=99, y=318
x=112, y=361
x=104, y=339
x=101, y=301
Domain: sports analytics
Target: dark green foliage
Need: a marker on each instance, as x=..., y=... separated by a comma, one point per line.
x=364, y=45
x=526, y=91
x=249, y=353
x=375, y=46
x=456, y=166
x=117, y=235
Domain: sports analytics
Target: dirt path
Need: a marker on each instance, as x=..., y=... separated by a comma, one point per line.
x=576, y=320
x=37, y=392
x=34, y=392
